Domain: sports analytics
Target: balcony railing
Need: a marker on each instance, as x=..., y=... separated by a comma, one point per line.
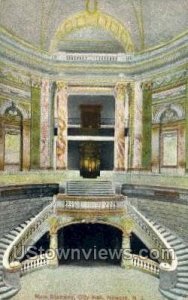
x=69, y=204
x=103, y=121
x=91, y=132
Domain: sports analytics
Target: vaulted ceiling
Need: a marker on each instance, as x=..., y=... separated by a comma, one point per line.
x=150, y=22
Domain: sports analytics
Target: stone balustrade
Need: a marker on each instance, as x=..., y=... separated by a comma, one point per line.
x=15, y=247
x=33, y=263
x=146, y=264
x=167, y=267
x=78, y=203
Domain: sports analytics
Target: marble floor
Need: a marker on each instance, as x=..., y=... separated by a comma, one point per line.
x=89, y=283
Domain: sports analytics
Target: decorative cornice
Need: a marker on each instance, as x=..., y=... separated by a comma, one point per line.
x=61, y=85
x=174, y=92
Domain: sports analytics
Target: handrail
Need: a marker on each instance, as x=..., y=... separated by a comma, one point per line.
x=154, y=234
x=24, y=235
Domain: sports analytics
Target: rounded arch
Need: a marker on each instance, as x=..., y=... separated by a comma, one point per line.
x=94, y=19
x=112, y=224
x=9, y=104
x=178, y=110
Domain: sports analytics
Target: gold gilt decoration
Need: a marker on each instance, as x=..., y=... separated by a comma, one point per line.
x=54, y=224
x=61, y=85
x=95, y=18
x=127, y=225
x=120, y=90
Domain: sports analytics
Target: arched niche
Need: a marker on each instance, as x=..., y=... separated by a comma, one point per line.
x=14, y=139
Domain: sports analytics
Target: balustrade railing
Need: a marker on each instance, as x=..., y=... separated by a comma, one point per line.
x=168, y=266
x=145, y=264
x=34, y=263
x=91, y=205
x=15, y=248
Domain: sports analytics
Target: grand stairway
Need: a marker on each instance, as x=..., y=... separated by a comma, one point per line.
x=6, y=292
x=180, y=291
x=90, y=188
x=100, y=188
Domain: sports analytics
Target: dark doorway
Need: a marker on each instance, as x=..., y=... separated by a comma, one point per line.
x=90, y=116
x=139, y=248
x=90, y=244
x=40, y=247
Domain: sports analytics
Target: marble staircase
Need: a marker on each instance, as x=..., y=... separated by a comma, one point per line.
x=6, y=292
x=180, y=291
x=90, y=188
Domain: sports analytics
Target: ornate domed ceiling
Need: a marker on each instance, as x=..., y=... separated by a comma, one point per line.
x=149, y=22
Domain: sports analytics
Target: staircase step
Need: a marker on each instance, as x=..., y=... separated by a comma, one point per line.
x=4, y=289
x=182, y=274
x=182, y=285
x=183, y=263
x=171, y=239
x=9, y=294
x=183, y=269
x=182, y=257
x=176, y=243
x=179, y=292
x=167, y=234
x=169, y=295
x=5, y=241
x=180, y=252
x=183, y=280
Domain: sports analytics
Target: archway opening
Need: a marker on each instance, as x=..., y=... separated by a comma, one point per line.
x=90, y=244
x=139, y=248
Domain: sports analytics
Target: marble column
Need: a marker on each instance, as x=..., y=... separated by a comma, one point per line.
x=45, y=124
x=53, y=259
x=119, y=143
x=137, y=126
x=181, y=148
x=1, y=146
x=126, y=246
x=62, y=138
x=155, y=148
x=186, y=120
x=126, y=160
x=35, y=123
x=147, y=126
x=26, y=145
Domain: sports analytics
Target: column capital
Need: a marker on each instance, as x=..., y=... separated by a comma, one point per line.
x=61, y=85
x=36, y=82
x=147, y=85
x=120, y=89
x=127, y=224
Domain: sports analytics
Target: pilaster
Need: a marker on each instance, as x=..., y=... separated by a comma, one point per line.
x=186, y=127
x=53, y=259
x=26, y=145
x=35, y=123
x=147, y=126
x=2, y=139
x=126, y=246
